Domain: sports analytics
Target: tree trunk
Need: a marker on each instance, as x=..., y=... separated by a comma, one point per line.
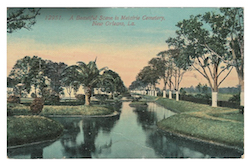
x=215, y=87
x=164, y=93
x=164, y=90
x=170, y=94
x=241, y=83
x=87, y=95
x=177, y=95
x=214, y=99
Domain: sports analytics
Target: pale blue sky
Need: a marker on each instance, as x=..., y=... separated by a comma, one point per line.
x=124, y=49
x=72, y=32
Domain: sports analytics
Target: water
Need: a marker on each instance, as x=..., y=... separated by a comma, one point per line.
x=132, y=134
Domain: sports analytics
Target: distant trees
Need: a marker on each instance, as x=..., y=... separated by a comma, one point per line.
x=161, y=65
x=137, y=84
x=18, y=18
x=51, y=78
x=114, y=82
x=173, y=69
x=149, y=76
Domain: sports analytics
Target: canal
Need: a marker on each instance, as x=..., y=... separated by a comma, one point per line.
x=131, y=134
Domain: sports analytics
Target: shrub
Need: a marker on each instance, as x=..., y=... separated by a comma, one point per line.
x=13, y=99
x=101, y=97
x=33, y=95
x=37, y=105
x=234, y=98
x=53, y=99
x=182, y=92
x=241, y=109
x=80, y=97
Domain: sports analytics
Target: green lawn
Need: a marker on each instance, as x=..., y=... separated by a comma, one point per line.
x=215, y=124
x=77, y=110
x=28, y=129
x=19, y=109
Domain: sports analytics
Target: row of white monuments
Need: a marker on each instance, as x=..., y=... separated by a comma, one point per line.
x=154, y=93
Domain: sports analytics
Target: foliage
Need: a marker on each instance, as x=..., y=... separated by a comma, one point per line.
x=37, y=105
x=230, y=25
x=88, y=75
x=203, y=96
x=53, y=99
x=54, y=72
x=182, y=92
x=235, y=98
x=137, y=84
x=33, y=95
x=18, y=18
x=115, y=82
x=102, y=97
x=28, y=71
x=80, y=97
x=148, y=76
x=13, y=99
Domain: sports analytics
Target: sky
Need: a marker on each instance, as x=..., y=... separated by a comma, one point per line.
x=83, y=34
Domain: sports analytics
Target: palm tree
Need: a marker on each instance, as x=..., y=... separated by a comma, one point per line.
x=88, y=75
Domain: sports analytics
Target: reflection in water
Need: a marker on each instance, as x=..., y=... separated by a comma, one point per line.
x=89, y=129
x=132, y=134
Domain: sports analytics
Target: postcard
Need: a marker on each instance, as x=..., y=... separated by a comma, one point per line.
x=109, y=83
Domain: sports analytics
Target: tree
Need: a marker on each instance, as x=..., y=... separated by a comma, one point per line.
x=148, y=75
x=137, y=84
x=18, y=18
x=29, y=71
x=70, y=80
x=21, y=73
x=88, y=76
x=174, y=65
x=116, y=83
x=160, y=65
x=229, y=24
x=36, y=74
x=194, y=36
x=54, y=72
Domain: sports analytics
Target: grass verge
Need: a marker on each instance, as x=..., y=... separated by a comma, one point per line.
x=19, y=109
x=77, y=110
x=29, y=129
x=214, y=124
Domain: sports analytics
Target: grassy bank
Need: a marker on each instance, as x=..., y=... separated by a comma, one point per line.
x=19, y=109
x=29, y=129
x=24, y=128
x=76, y=110
x=216, y=124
